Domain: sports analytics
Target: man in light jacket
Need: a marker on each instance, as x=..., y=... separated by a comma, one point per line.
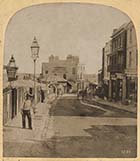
x=26, y=111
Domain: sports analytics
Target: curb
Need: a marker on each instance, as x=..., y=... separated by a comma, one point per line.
x=106, y=105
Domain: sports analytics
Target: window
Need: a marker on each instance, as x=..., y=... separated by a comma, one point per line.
x=120, y=42
x=113, y=45
x=117, y=41
x=130, y=59
x=81, y=75
x=130, y=40
x=108, y=60
x=46, y=71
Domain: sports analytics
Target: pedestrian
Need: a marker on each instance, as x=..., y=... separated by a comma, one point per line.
x=84, y=94
x=26, y=111
x=42, y=95
x=79, y=93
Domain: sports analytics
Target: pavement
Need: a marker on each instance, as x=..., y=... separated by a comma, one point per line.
x=118, y=105
x=13, y=131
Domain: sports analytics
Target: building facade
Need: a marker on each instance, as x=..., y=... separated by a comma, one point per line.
x=100, y=77
x=81, y=78
x=91, y=78
x=63, y=69
x=123, y=64
x=131, y=64
x=106, y=51
x=117, y=63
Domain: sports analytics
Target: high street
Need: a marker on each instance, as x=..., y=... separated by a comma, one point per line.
x=75, y=128
x=79, y=129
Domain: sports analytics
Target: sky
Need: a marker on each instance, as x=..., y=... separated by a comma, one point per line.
x=61, y=29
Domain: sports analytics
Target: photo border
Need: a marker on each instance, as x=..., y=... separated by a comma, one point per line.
x=8, y=8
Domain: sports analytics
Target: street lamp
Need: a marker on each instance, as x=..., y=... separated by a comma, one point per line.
x=35, y=50
x=11, y=69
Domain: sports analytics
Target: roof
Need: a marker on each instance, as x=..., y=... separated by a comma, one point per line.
x=118, y=30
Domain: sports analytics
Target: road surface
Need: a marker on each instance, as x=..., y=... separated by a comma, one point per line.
x=76, y=129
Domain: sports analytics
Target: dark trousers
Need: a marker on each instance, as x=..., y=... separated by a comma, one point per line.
x=28, y=114
x=42, y=99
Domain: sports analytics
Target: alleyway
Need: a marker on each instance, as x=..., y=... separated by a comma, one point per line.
x=72, y=128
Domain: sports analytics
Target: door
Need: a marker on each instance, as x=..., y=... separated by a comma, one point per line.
x=14, y=102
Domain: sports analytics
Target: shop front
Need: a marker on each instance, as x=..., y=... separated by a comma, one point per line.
x=131, y=89
x=116, y=88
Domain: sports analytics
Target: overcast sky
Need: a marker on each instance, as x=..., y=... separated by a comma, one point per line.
x=61, y=29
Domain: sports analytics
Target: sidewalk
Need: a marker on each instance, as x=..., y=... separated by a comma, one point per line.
x=13, y=131
x=117, y=105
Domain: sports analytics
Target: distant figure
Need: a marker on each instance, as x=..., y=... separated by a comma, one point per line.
x=26, y=111
x=79, y=93
x=84, y=94
x=60, y=92
x=42, y=95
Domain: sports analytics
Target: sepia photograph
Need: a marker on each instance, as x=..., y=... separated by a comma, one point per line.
x=70, y=82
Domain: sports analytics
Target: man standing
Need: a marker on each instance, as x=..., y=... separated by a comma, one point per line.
x=26, y=111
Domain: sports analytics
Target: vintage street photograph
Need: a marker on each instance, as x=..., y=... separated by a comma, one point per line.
x=70, y=82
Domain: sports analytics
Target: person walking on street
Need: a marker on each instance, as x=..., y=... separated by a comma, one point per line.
x=26, y=111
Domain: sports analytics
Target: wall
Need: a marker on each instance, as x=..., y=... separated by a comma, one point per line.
x=107, y=51
x=131, y=61
x=69, y=67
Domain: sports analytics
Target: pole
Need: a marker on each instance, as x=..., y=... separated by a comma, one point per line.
x=34, y=84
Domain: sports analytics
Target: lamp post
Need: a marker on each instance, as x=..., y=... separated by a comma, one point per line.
x=11, y=69
x=35, y=50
